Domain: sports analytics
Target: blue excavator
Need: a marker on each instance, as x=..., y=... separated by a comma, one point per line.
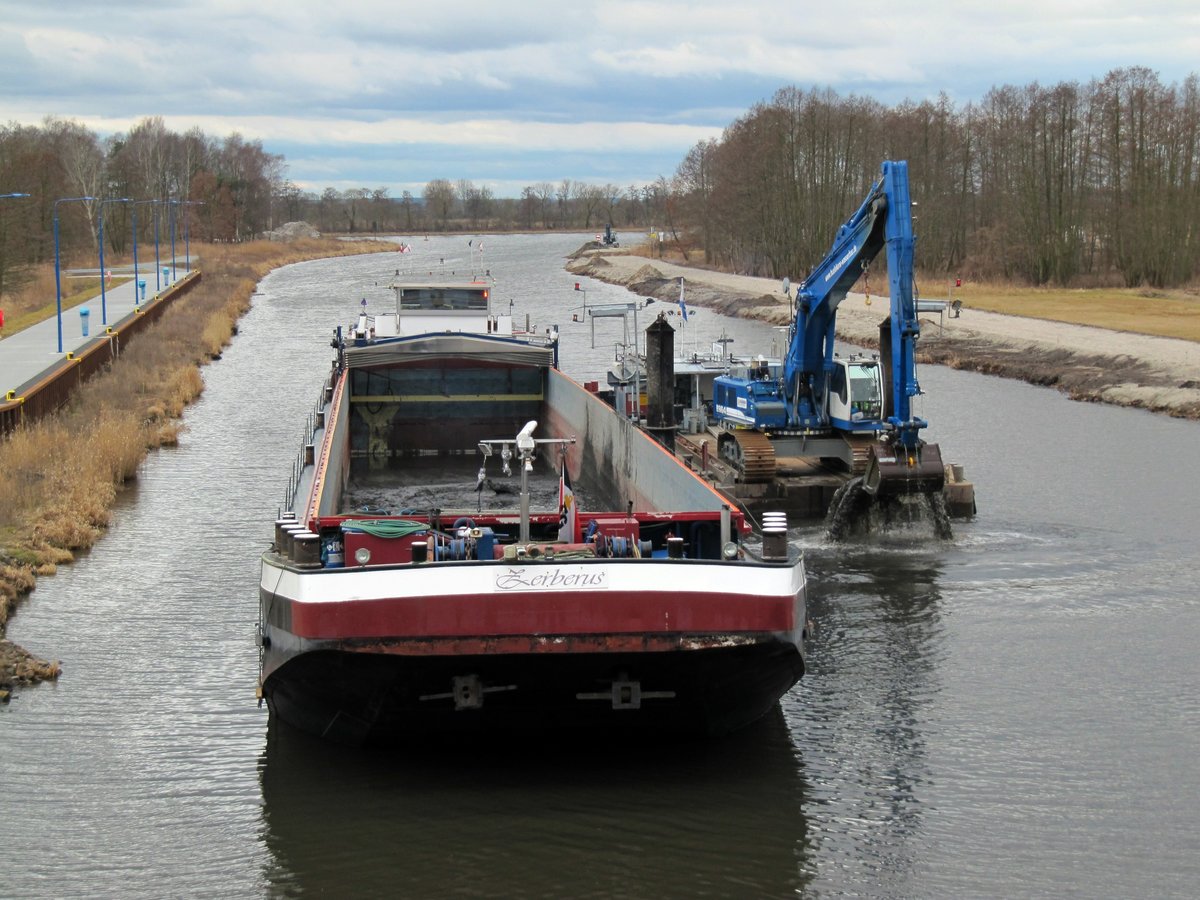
x=855, y=412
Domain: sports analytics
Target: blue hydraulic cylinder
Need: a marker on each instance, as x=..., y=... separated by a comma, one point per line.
x=904, y=325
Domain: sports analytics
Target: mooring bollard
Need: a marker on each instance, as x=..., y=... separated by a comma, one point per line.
x=774, y=531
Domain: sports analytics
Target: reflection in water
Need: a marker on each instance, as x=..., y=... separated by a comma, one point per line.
x=718, y=819
x=1012, y=713
x=858, y=714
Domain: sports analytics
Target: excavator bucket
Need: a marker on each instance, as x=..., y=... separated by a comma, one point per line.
x=892, y=470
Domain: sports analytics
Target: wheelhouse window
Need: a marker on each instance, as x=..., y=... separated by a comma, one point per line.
x=444, y=298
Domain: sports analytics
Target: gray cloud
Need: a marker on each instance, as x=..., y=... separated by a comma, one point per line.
x=277, y=70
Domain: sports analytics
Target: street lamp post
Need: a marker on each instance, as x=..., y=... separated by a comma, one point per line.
x=168, y=212
x=136, y=282
x=174, y=203
x=157, y=270
x=187, y=233
x=103, y=292
x=57, y=270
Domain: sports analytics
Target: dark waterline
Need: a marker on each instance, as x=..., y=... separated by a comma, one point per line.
x=1014, y=713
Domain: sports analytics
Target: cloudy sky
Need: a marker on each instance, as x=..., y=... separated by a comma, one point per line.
x=358, y=93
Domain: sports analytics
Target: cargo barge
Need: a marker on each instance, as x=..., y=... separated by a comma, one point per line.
x=473, y=542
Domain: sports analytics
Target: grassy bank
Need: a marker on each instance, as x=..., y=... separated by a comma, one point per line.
x=62, y=475
x=1172, y=313
x=1165, y=313
x=35, y=301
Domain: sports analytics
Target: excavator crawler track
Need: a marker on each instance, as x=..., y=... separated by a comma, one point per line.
x=750, y=453
x=860, y=448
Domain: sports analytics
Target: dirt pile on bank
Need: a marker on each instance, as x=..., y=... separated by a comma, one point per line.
x=291, y=231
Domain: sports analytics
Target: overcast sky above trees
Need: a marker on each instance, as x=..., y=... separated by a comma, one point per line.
x=395, y=94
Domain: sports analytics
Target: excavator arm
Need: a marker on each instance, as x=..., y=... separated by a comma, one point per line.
x=809, y=360
x=901, y=463
x=903, y=327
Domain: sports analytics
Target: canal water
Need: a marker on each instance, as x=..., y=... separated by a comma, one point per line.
x=1012, y=713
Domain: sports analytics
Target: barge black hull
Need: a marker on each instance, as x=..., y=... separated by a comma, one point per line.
x=392, y=700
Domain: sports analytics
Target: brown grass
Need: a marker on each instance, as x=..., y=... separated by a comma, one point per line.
x=62, y=475
x=35, y=300
x=1166, y=313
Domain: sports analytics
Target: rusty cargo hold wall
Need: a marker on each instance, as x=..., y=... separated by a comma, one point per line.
x=50, y=390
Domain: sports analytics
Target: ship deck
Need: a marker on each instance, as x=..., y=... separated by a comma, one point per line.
x=450, y=482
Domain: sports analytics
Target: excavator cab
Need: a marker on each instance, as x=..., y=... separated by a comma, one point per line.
x=856, y=395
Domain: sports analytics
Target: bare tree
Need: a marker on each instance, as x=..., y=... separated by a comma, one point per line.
x=476, y=201
x=291, y=200
x=26, y=166
x=251, y=175
x=439, y=200
x=590, y=200
x=612, y=195
x=632, y=202
x=406, y=201
x=381, y=211
x=544, y=191
x=1150, y=145
x=83, y=163
x=464, y=188
x=217, y=217
x=565, y=195
x=529, y=206
x=695, y=179
x=354, y=204
x=147, y=145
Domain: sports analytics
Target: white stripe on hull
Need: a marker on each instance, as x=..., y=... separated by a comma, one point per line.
x=348, y=585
